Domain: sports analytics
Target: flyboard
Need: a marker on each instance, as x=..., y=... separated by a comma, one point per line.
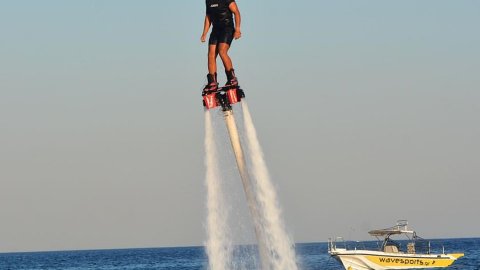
x=225, y=97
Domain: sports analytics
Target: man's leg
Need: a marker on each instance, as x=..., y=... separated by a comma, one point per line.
x=212, y=59
x=223, y=52
x=212, y=84
x=227, y=63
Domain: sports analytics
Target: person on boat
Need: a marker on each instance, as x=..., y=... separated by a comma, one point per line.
x=220, y=13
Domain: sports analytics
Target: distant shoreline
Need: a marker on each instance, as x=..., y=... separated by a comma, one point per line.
x=193, y=247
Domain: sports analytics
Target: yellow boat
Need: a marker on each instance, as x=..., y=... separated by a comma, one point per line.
x=412, y=253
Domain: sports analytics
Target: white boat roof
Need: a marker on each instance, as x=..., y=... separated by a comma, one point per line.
x=400, y=228
x=383, y=232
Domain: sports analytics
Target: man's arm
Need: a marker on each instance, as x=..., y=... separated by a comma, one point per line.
x=238, y=19
x=206, y=27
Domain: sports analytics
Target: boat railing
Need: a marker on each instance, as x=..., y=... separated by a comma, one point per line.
x=421, y=246
x=413, y=246
x=339, y=243
x=336, y=243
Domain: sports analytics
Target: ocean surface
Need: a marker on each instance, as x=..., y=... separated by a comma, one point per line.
x=310, y=256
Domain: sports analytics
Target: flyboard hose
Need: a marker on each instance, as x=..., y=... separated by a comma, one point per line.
x=247, y=186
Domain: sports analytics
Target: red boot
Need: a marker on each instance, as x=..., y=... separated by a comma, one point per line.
x=231, y=78
x=212, y=84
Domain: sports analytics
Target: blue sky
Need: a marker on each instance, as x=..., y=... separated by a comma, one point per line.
x=367, y=112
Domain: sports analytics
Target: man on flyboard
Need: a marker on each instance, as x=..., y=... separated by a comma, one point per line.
x=220, y=13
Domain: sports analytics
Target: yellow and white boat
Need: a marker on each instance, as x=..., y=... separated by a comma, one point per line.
x=412, y=253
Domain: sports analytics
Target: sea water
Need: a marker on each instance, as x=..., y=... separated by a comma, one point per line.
x=310, y=256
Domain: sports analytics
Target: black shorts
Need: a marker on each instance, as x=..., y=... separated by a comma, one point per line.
x=221, y=35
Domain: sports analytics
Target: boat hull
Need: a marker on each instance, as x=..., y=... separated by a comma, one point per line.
x=368, y=260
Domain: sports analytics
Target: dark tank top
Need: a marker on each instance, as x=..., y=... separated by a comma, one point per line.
x=219, y=13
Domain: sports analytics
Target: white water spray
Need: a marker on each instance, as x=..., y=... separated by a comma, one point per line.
x=280, y=247
x=275, y=248
x=219, y=246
